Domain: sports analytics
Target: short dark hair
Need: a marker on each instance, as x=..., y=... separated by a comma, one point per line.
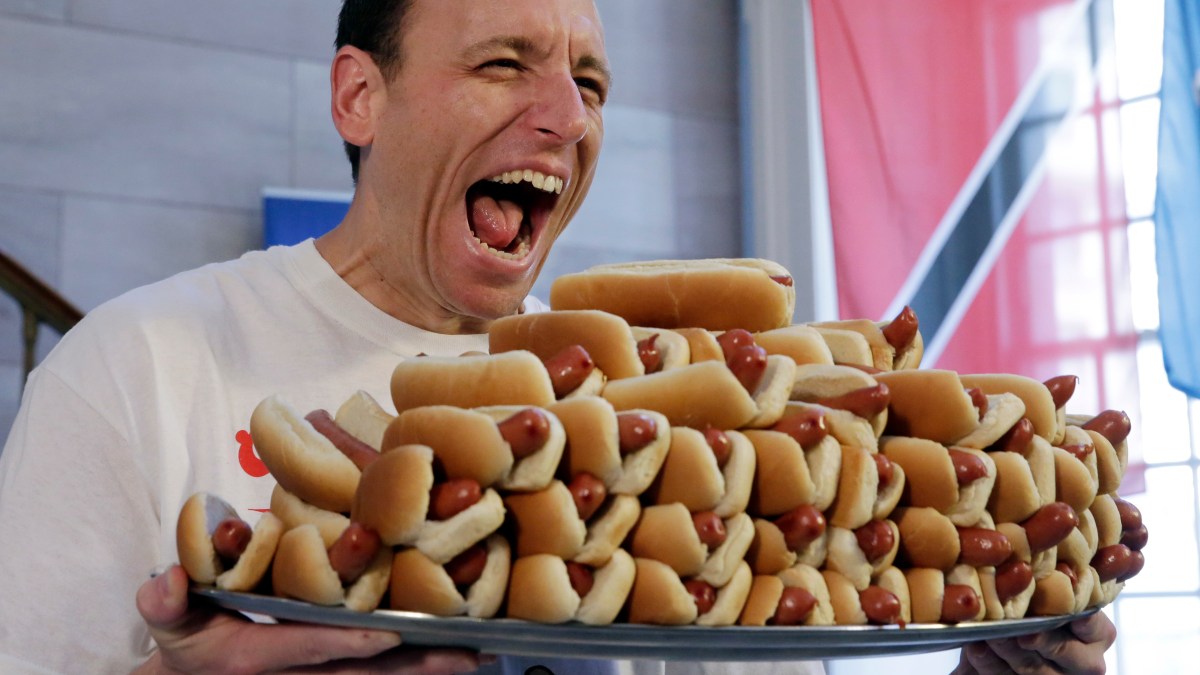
x=374, y=26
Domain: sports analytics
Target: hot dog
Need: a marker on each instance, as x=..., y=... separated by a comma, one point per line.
x=215, y=546
x=303, y=460
x=1062, y=388
x=1108, y=431
x=874, y=605
x=303, y=569
x=700, y=545
x=660, y=596
x=864, y=552
x=716, y=294
x=931, y=404
x=624, y=450
x=549, y=520
x=799, y=536
x=547, y=589
x=399, y=499
x=1003, y=412
x=472, y=583
x=820, y=432
x=886, y=344
x=956, y=481
x=797, y=596
x=1007, y=589
x=1039, y=403
x=844, y=388
x=618, y=351
x=927, y=538
x=939, y=597
x=1076, y=477
x=904, y=334
x=1038, y=454
x=802, y=344
x=362, y=417
x=294, y=512
x=707, y=471
x=512, y=378
x=512, y=447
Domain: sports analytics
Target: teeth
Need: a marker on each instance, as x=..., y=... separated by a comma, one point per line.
x=539, y=180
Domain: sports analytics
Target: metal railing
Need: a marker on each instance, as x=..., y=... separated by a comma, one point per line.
x=39, y=305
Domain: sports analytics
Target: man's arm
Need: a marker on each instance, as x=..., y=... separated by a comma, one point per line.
x=1076, y=649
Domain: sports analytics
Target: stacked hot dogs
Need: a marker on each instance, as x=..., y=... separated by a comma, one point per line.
x=663, y=447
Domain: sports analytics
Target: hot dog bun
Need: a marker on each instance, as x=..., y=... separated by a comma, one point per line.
x=878, y=353
x=608, y=529
x=932, y=479
x=293, y=513
x=362, y=417
x=466, y=442
x=1015, y=494
x=782, y=480
x=393, y=499
x=612, y=583
x=690, y=475
x=1039, y=404
x=930, y=404
x=717, y=294
x=606, y=337
x=302, y=571
x=802, y=344
x=767, y=590
x=300, y=458
x=927, y=538
x=511, y=378
x=858, y=487
x=731, y=598
x=665, y=533
x=592, y=429
x=547, y=522
x=198, y=518
x=1053, y=595
x=659, y=596
x=847, y=556
x=822, y=384
x=418, y=584
x=700, y=395
x=1003, y=411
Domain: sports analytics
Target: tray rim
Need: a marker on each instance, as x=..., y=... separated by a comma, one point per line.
x=640, y=641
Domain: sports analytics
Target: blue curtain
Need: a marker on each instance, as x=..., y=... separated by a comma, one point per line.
x=1177, y=206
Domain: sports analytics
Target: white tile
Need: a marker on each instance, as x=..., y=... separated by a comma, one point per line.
x=301, y=28
x=318, y=160
x=110, y=247
x=107, y=114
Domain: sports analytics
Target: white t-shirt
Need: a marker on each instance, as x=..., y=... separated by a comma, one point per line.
x=147, y=401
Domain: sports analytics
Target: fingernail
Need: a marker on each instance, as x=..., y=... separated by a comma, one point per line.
x=162, y=581
x=159, y=570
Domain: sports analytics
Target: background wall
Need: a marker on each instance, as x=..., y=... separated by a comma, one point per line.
x=138, y=135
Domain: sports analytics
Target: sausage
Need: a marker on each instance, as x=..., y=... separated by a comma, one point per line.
x=801, y=526
x=635, y=431
x=582, y=577
x=1113, y=562
x=448, y=499
x=1136, y=562
x=466, y=567
x=703, y=593
x=807, y=427
x=231, y=537
x=866, y=402
x=710, y=527
x=880, y=605
x=1111, y=424
x=1131, y=517
x=979, y=400
x=1136, y=539
x=1012, y=578
x=746, y=360
x=360, y=453
x=525, y=432
x=568, y=369
x=1016, y=439
x=649, y=354
x=782, y=280
x=1049, y=526
x=1062, y=388
x=588, y=492
x=1069, y=571
x=901, y=331
x=721, y=446
x=981, y=547
x=1079, y=450
x=960, y=602
x=967, y=467
x=794, y=607
x=353, y=551
x=883, y=466
x=875, y=539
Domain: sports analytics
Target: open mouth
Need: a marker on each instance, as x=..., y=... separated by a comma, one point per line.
x=507, y=211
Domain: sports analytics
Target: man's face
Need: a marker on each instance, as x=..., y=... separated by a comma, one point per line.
x=486, y=146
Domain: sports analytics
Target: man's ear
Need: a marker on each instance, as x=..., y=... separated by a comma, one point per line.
x=357, y=89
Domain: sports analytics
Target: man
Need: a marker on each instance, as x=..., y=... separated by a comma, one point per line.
x=140, y=405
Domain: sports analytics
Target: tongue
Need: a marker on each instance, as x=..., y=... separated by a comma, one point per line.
x=495, y=222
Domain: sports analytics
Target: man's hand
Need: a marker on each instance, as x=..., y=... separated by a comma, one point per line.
x=1076, y=649
x=210, y=641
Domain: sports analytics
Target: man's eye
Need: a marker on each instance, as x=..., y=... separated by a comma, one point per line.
x=593, y=85
x=502, y=63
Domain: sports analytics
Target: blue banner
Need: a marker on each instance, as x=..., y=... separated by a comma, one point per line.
x=1177, y=205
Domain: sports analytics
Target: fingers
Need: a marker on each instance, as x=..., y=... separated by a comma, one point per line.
x=983, y=659
x=1077, y=649
x=1013, y=657
x=276, y=647
x=964, y=661
x=1097, y=628
x=162, y=601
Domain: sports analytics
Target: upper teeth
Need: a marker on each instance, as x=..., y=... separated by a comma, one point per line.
x=539, y=180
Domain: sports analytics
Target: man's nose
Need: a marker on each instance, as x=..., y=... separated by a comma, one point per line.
x=559, y=113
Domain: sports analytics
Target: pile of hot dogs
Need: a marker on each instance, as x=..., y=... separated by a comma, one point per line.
x=663, y=447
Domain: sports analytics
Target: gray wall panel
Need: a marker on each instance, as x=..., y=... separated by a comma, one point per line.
x=318, y=160
x=139, y=118
x=29, y=232
x=297, y=28
x=40, y=9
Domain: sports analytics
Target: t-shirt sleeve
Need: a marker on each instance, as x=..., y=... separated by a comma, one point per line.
x=79, y=524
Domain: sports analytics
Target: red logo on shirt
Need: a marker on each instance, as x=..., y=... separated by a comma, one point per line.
x=250, y=462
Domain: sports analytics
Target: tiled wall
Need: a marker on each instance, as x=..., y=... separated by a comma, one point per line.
x=136, y=137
